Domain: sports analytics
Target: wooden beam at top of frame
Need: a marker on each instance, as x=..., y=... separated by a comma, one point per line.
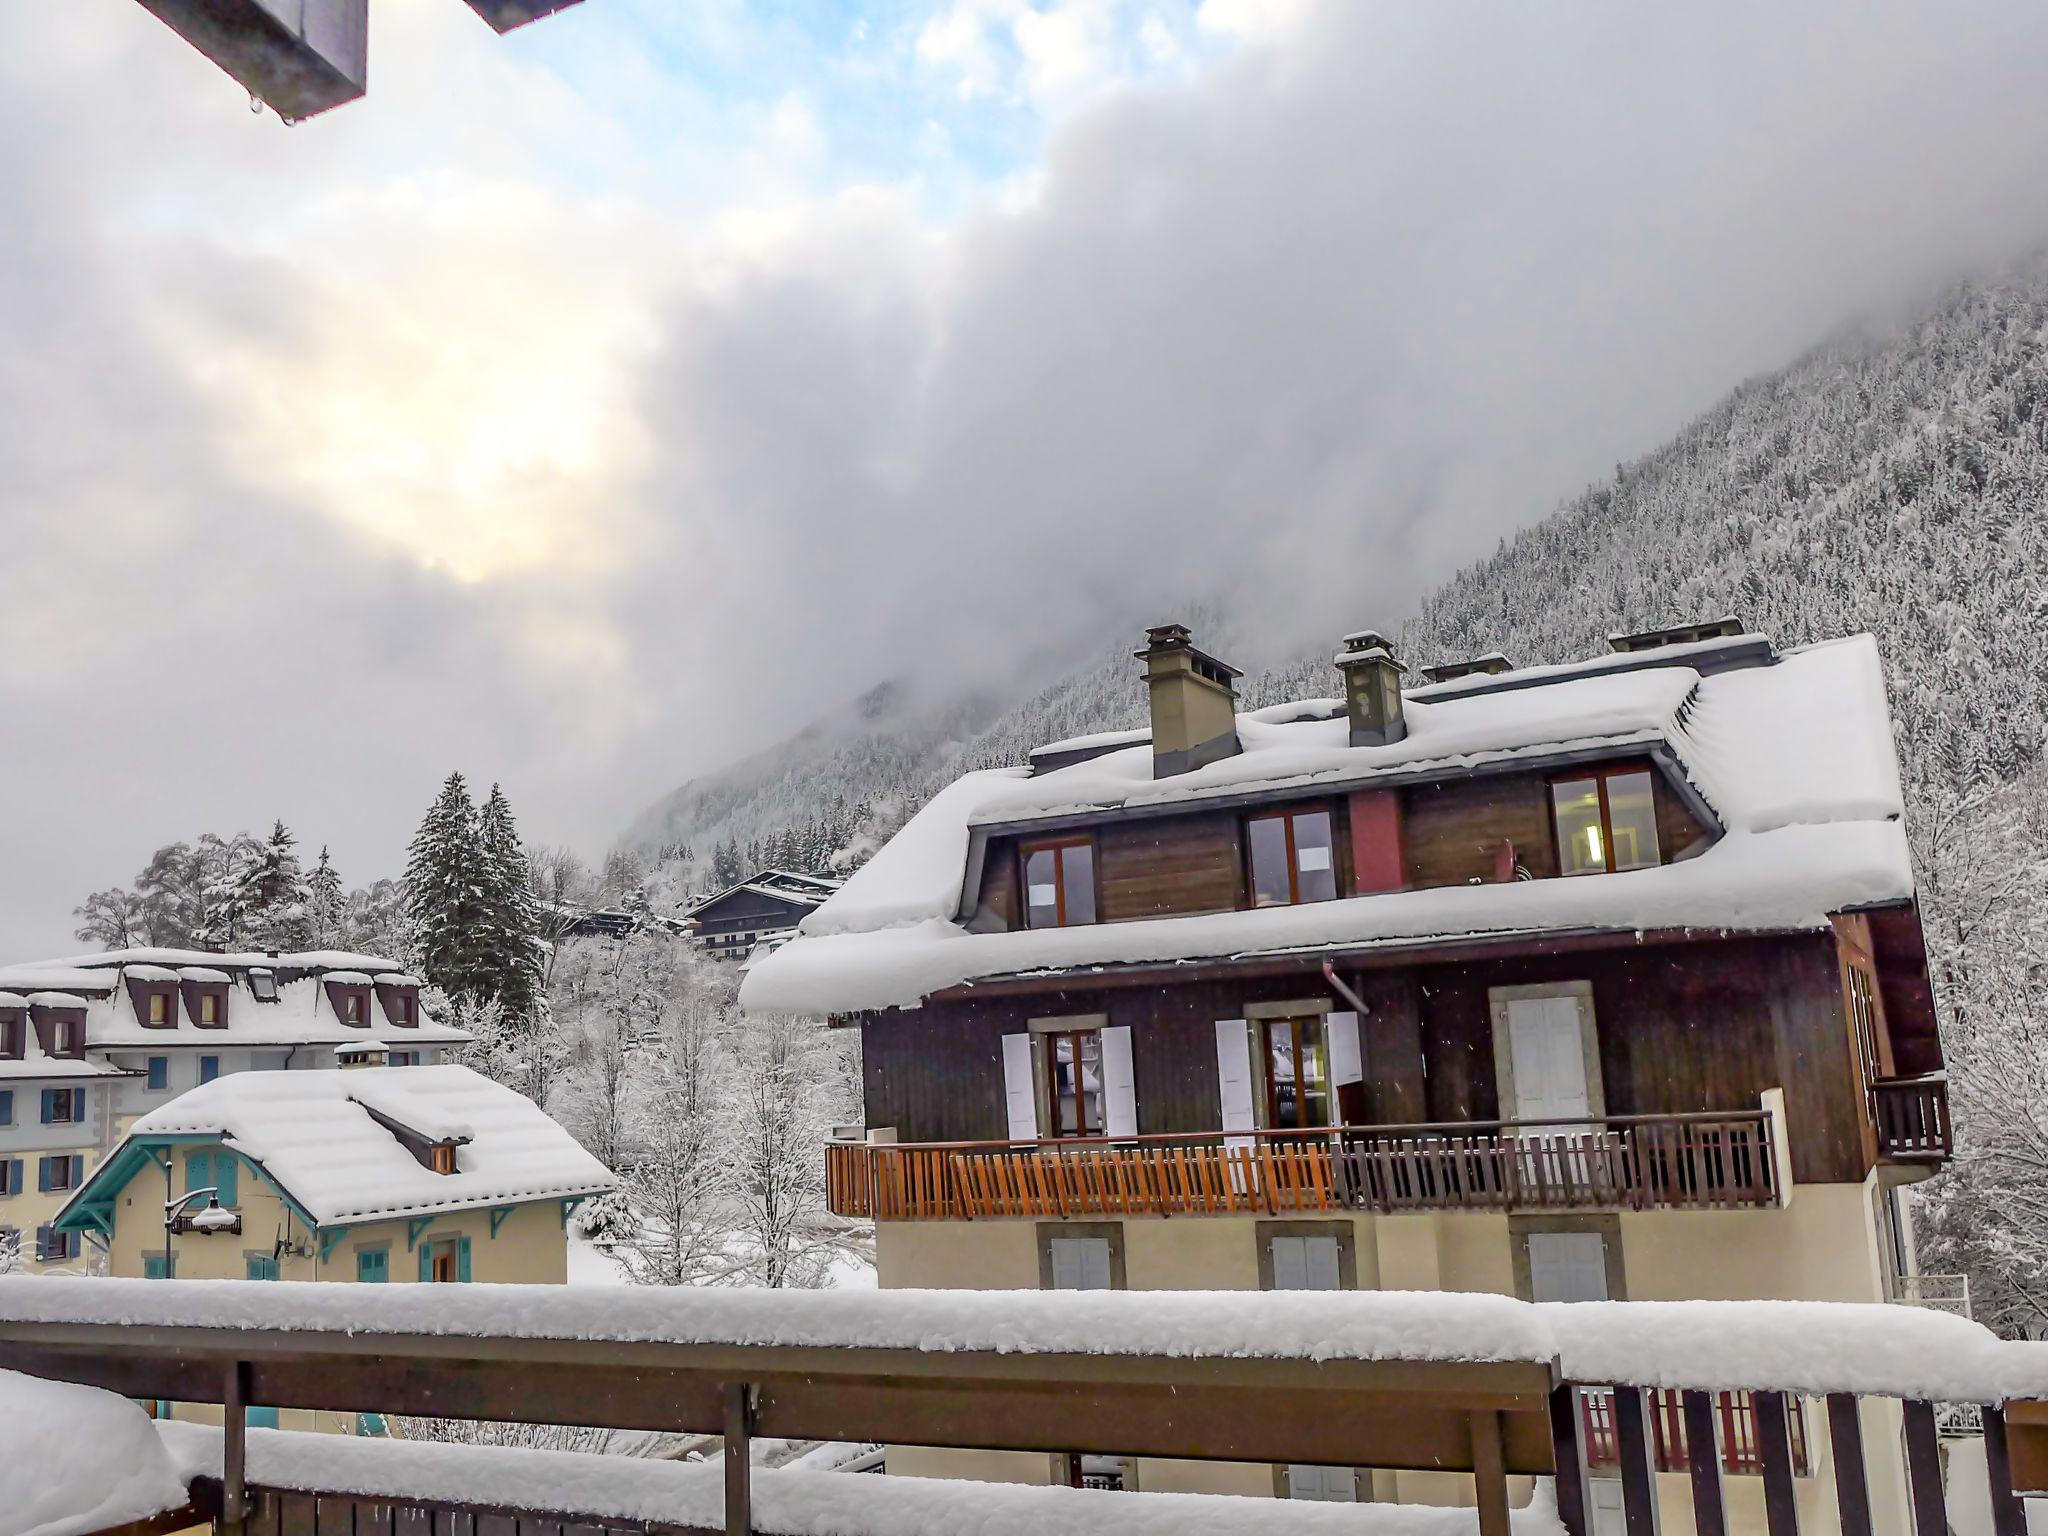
x=298, y=57
x=1384, y=1413
x=504, y=15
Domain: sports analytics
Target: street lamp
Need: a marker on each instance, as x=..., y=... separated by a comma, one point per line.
x=212, y=1219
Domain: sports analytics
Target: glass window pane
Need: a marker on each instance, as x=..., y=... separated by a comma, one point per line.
x=1315, y=1074
x=1315, y=867
x=1077, y=879
x=1632, y=820
x=1041, y=889
x=1281, y=1064
x=1581, y=848
x=1270, y=887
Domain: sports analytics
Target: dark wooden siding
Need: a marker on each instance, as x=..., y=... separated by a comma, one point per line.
x=1683, y=1027
x=1176, y=864
x=1454, y=827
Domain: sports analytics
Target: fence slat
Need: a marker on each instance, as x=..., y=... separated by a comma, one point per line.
x=1774, y=1455
x=1574, y=1498
x=1923, y=1468
x=1852, y=1479
x=1638, y=1464
x=2008, y=1515
x=1709, y=1511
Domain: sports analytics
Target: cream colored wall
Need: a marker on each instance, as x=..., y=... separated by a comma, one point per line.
x=531, y=1248
x=1822, y=1246
x=32, y=1209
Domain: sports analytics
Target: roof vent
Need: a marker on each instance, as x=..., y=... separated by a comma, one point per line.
x=1194, y=702
x=1678, y=634
x=1492, y=664
x=1372, y=689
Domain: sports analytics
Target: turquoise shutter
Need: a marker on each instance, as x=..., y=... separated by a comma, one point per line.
x=77, y=1169
x=373, y=1266
x=198, y=1170
x=226, y=1173
x=426, y=1262
x=49, y=1105
x=462, y=1262
x=43, y=1176
x=78, y=1105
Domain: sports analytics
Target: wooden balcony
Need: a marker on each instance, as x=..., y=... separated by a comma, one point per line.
x=1912, y=1119
x=1630, y=1162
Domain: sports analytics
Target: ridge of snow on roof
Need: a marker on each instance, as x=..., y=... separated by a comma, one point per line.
x=82, y=1460
x=311, y=1133
x=311, y=960
x=1796, y=760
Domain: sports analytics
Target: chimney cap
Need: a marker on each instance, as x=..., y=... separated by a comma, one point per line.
x=1167, y=639
x=1368, y=645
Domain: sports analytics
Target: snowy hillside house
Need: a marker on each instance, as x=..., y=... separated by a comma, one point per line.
x=370, y=1173
x=763, y=910
x=1593, y=981
x=87, y=1044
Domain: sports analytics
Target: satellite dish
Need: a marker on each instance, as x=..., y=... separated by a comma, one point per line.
x=301, y=57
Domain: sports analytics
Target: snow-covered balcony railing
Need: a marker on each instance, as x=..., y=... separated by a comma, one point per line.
x=1912, y=1118
x=1632, y=1162
x=1475, y=1384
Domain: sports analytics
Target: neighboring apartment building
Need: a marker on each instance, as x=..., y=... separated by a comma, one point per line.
x=368, y=1173
x=87, y=1044
x=761, y=910
x=1592, y=981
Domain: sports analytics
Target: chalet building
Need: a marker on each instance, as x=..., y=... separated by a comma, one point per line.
x=88, y=1044
x=761, y=910
x=1581, y=982
x=369, y=1173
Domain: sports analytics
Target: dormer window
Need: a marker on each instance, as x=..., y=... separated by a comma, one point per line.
x=159, y=1010
x=1605, y=821
x=209, y=1010
x=263, y=986
x=13, y=1034
x=1293, y=857
x=442, y=1159
x=1059, y=883
x=351, y=1008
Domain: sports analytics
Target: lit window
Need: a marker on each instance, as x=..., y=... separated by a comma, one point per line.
x=209, y=1008
x=159, y=1008
x=1059, y=884
x=444, y=1158
x=1072, y=1066
x=1605, y=822
x=1292, y=858
x=263, y=986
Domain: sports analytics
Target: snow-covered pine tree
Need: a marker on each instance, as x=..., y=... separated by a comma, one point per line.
x=445, y=897
x=276, y=897
x=511, y=915
x=326, y=906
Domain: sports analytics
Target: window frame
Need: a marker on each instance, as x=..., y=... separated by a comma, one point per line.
x=263, y=979
x=203, y=1078
x=1056, y=846
x=1045, y=1037
x=14, y=1034
x=1600, y=773
x=153, y=1080
x=1111, y=1232
x=1287, y=816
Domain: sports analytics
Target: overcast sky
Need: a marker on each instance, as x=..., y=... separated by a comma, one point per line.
x=587, y=407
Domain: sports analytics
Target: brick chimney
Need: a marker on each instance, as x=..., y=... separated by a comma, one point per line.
x=1194, y=702
x=1372, y=689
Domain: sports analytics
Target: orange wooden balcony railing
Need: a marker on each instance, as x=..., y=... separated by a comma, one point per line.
x=1912, y=1118
x=1631, y=1162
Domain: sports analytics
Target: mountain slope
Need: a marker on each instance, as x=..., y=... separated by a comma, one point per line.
x=1896, y=483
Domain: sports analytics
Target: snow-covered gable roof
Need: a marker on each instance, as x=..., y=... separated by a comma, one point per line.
x=776, y=884
x=1794, y=760
x=301, y=1014
x=313, y=1134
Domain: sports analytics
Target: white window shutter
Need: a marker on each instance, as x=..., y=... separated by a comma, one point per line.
x=1290, y=1264
x=1347, y=1061
x=1319, y=1264
x=1234, y=1075
x=1119, y=1083
x=1080, y=1263
x=1019, y=1091
x=1567, y=1266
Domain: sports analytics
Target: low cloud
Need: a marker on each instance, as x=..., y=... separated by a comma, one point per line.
x=449, y=431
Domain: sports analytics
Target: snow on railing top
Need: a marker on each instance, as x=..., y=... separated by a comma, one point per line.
x=1791, y=1346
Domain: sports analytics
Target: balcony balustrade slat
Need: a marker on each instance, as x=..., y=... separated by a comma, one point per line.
x=1709, y=1509
x=1852, y=1480
x=1632, y=1162
x=1923, y=1468
x=1774, y=1456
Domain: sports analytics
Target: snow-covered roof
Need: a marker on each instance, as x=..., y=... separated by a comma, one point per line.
x=1794, y=760
x=81, y=1460
x=300, y=1015
x=780, y=884
x=313, y=1135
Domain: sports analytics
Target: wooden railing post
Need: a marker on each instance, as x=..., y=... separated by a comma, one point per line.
x=2008, y=1515
x=1490, y=1474
x=1852, y=1479
x=1703, y=1462
x=739, y=1451
x=234, y=1449
x=1568, y=1452
x=1638, y=1462
x=1923, y=1468
x=1774, y=1457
